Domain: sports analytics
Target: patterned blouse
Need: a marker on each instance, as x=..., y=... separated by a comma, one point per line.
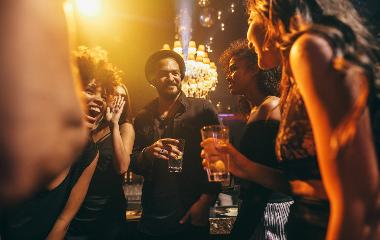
x=295, y=147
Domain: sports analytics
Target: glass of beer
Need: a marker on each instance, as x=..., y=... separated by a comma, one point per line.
x=217, y=164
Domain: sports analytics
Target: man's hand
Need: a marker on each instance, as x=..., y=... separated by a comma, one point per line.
x=198, y=214
x=163, y=149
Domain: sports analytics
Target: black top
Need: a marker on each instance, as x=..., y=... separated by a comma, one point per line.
x=34, y=218
x=295, y=140
x=105, y=203
x=258, y=145
x=167, y=196
x=374, y=107
x=258, y=142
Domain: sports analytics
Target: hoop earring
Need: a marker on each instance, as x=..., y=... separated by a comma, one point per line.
x=250, y=45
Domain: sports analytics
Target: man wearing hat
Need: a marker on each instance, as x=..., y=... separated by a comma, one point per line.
x=175, y=205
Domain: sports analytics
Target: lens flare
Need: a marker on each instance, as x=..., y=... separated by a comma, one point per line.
x=89, y=8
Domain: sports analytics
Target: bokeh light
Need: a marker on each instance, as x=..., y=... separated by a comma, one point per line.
x=89, y=8
x=207, y=17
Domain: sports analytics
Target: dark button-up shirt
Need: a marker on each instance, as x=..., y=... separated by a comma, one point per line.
x=167, y=196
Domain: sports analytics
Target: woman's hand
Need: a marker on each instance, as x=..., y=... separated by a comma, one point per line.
x=114, y=112
x=242, y=167
x=213, y=149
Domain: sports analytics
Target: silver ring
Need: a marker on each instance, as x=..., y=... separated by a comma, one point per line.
x=162, y=151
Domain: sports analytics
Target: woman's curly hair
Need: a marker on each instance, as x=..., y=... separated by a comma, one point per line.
x=93, y=64
x=268, y=80
x=237, y=49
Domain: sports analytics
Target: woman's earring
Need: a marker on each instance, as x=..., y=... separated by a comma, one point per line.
x=250, y=45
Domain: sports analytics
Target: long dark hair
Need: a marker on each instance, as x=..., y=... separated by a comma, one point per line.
x=126, y=116
x=352, y=44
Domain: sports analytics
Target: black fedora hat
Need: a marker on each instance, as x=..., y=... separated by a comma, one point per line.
x=161, y=54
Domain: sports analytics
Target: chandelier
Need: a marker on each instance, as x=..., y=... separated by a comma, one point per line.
x=201, y=76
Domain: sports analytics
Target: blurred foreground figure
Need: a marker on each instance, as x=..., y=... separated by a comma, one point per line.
x=42, y=130
x=325, y=142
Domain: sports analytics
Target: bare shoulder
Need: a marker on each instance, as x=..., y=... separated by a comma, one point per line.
x=311, y=48
x=312, y=65
x=269, y=110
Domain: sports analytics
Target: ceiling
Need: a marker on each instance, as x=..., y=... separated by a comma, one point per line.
x=131, y=30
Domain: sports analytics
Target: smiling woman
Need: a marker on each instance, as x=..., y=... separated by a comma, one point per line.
x=102, y=214
x=264, y=210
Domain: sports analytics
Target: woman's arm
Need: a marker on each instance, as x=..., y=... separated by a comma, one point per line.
x=74, y=202
x=351, y=178
x=243, y=167
x=266, y=176
x=123, y=137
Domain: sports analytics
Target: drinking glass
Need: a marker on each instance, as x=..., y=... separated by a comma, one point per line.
x=217, y=163
x=175, y=162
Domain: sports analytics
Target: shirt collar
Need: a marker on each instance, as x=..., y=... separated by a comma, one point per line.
x=182, y=99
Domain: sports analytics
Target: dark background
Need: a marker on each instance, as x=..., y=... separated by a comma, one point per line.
x=130, y=30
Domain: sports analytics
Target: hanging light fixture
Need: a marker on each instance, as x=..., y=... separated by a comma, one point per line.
x=201, y=76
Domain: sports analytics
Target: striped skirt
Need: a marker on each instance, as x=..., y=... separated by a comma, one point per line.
x=272, y=225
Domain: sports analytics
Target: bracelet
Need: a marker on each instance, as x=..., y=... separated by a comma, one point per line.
x=123, y=176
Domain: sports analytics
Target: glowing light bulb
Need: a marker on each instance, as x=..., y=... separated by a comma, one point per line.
x=166, y=47
x=89, y=8
x=192, y=47
x=177, y=47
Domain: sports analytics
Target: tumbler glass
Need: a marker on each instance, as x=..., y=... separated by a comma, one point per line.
x=176, y=156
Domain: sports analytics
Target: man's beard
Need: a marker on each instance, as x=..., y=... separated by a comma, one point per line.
x=169, y=94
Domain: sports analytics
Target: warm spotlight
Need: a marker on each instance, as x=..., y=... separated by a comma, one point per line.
x=68, y=7
x=89, y=8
